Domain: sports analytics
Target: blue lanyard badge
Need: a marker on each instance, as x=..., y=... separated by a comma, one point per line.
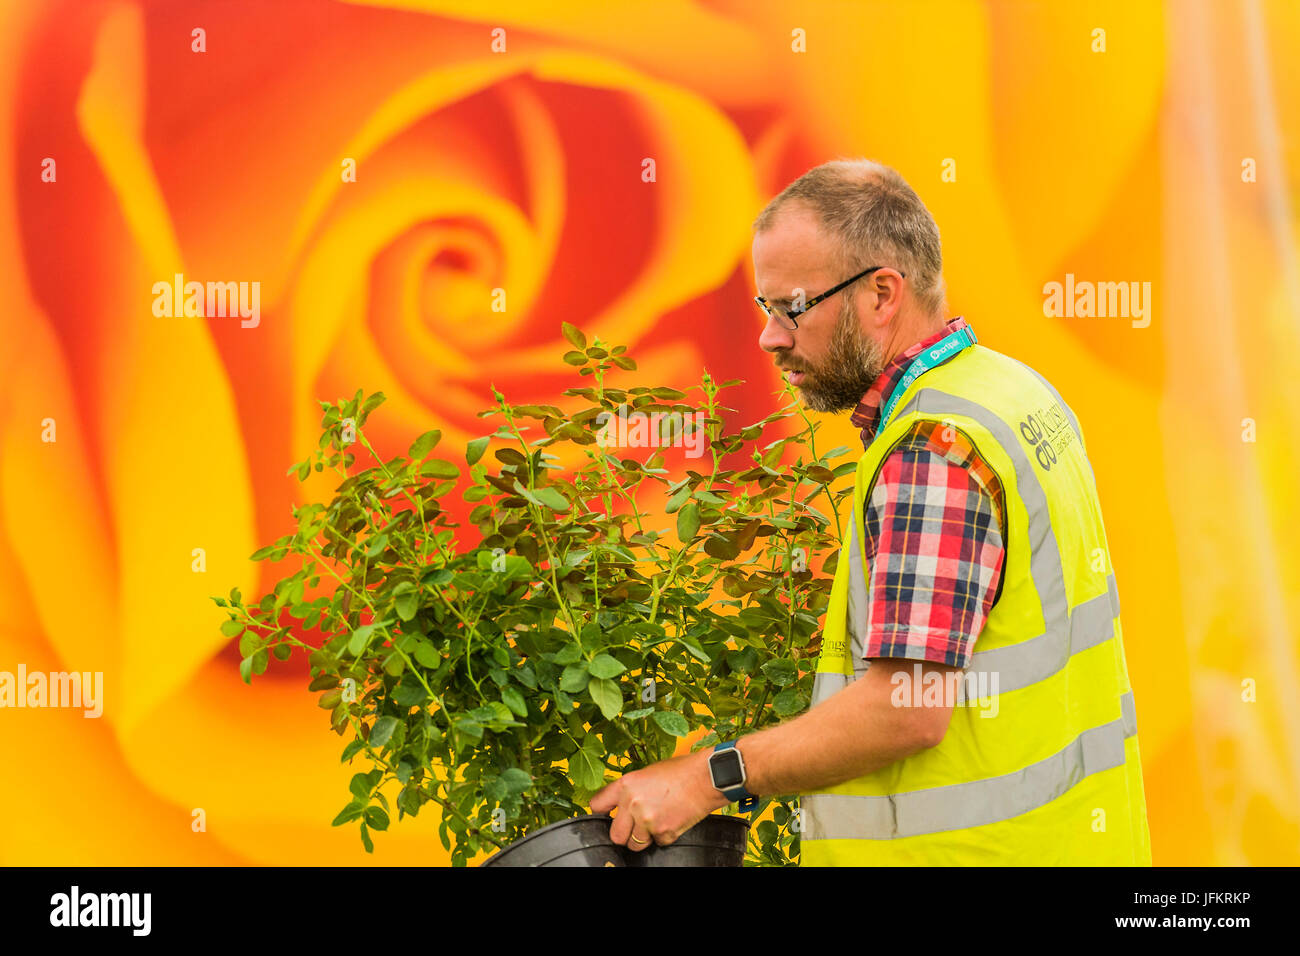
x=936, y=354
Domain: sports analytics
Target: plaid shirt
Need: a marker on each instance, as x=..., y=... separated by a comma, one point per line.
x=933, y=534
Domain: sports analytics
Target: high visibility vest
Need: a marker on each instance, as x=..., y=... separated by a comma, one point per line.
x=1040, y=762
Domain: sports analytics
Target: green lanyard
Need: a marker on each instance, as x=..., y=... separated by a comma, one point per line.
x=936, y=354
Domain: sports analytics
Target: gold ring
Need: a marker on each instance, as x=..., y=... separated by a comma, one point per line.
x=635, y=840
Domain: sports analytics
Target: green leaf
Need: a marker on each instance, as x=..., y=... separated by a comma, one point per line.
x=407, y=600
x=351, y=750
x=575, y=677
x=688, y=522
x=501, y=713
x=575, y=358
x=605, y=666
x=787, y=702
x=511, y=697
x=638, y=714
x=424, y=444
x=667, y=394
x=568, y=654
x=524, y=492
x=377, y=544
x=360, y=638
x=607, y=696
x=330, y=699
x=437, y=576
x=721, y=547
x=360, y=785
x=348, y=813
x=574, y=335
x=232, y=628
x=474, y=450
x=516, y=780
x=672, y=723
x=551, y=498
x=469, y=727
x=676, y=500
x=377, y=818
x=780, y=673
x=366, y=842
x=437, y=468
x=427, y=655
x=409, y=695
x=695, y=650
x=585, y=768
x=246, y=670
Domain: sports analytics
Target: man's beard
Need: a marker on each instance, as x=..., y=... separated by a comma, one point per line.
x=852, y=365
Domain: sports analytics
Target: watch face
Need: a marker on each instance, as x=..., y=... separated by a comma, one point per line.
x=726, y=769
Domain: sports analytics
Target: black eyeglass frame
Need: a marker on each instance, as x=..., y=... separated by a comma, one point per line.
x=774, y=311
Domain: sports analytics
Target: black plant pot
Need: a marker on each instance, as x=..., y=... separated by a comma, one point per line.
x=716, y=840
x=584, y=841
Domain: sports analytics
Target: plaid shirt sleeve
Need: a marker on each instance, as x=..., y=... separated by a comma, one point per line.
x=934, y=543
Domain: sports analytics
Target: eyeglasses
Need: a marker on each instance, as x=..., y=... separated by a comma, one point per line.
x=788, y=318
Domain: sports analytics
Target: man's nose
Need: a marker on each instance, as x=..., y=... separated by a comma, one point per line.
x=775, y=337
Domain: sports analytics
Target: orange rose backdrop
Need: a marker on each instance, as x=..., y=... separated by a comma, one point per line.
x=522, y=170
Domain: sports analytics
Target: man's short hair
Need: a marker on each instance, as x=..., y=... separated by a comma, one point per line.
x=876, y=218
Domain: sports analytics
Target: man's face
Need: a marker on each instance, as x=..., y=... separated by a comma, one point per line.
x=829, y=358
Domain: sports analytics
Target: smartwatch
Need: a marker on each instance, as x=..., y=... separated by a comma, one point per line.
x=727, y=772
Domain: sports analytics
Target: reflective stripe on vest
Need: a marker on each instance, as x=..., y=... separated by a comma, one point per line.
x=838, y=816
x=976, y=803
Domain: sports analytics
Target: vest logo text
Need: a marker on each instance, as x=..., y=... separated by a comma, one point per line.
x=1047, y=431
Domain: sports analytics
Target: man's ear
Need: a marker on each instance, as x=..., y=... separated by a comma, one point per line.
x=886, y=294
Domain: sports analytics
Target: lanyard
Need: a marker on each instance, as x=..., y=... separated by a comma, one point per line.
x=936, y=354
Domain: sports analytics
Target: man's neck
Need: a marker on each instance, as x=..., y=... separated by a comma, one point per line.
x=911, y=331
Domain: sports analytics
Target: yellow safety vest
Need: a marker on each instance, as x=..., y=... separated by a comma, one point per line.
x=1040, y=763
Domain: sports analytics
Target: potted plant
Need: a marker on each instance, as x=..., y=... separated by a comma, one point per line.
x=587, y=619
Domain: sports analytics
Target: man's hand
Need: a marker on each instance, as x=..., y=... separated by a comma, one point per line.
x=660, y=802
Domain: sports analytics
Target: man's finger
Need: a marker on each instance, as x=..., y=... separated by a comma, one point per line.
x=606, y=798
x=639, y=839
x=622, y=827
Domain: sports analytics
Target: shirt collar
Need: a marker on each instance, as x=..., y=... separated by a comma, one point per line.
x=867, y=415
